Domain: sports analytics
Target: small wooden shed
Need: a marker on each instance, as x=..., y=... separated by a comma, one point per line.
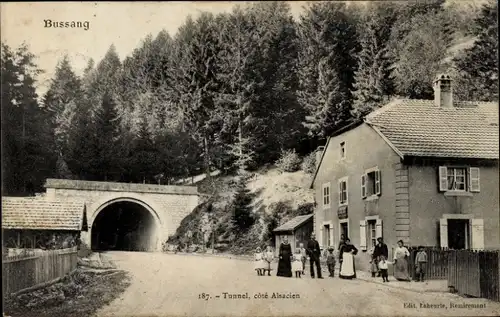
x=298, y=230
x=33, y=222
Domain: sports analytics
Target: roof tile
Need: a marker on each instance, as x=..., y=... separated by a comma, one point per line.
x=420, y=128
x=294, y=223
x=41, y=214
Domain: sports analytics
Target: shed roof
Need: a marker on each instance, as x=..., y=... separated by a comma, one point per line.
x=294, y=223
x=42, y=214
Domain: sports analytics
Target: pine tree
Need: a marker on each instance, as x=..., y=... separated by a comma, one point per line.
x=326, y=67
x=421, y=55
x=478, y=66
x=27, y=146
x=237, y=102
x=280, y=113
x=193, y=79
x=242, y=216
x=373, y=84
x=107, y=131
x=61, y=100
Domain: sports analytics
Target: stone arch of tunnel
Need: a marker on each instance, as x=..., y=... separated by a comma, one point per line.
x=125, y=224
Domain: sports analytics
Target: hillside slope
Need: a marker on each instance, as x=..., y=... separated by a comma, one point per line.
x=276, y=198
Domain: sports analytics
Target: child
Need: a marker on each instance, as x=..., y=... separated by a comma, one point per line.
x=303, y=257
x=330, y=262
x=383, y=266
x=420, y=263
x=259, y=262
x=297, y=263
x=373, y=262
x=268, y=257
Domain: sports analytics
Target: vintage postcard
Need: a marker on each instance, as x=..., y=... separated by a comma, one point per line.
x=268, y=158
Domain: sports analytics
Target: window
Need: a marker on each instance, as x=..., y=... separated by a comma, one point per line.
x=370, y=229
x=343, y=191
x=372, y=233
x=326, y=195
x=459, y=179
x=370, y=183
x=342, y=150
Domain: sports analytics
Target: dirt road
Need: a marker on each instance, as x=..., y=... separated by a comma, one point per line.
x=174, y=285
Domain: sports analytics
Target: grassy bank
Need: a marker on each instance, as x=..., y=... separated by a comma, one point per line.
x=79, y=294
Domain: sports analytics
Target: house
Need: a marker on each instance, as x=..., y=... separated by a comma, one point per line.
x=40, y=223
x=298, y=230
x=421, y=171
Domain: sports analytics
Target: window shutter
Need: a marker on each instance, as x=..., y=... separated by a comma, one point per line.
x=321, y=236
x=477, y=234
x=340, y=192
x=363, y=186
x=378, y=187
x=474, y=179
x=362, y=235
x=378, y=228
x=443, y=232
x=346, y=191
x=443, y=178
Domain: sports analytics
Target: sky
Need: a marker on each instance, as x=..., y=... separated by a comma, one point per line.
x=123, y=24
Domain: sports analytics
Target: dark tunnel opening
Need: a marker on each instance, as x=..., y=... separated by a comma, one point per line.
x=124, y=226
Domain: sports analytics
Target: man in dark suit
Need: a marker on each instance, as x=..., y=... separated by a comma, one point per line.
x=380, y=249
x=314, y=253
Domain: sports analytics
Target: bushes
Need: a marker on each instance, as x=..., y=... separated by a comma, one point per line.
x=309, y=163
x=289, y=161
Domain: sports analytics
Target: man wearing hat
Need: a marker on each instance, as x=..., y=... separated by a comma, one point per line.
x=314, y=253
x=330, y=261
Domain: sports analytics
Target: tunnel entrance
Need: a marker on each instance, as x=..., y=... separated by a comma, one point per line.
x=125, y=226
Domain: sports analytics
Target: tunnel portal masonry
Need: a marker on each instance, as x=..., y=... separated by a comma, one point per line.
x=168, y=205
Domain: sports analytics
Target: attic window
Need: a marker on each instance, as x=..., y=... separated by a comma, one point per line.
x=342, y=150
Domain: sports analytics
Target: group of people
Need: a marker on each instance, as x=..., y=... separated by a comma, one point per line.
x=294, y=263
x=379, y=262
x=290, y=263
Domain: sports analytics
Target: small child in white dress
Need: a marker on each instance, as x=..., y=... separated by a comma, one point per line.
x=268, y=257
x=260, y=264
x=297, y=263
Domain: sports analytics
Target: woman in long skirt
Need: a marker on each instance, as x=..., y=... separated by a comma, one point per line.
x=347, y=253
x=285, y=261
x=401, y=263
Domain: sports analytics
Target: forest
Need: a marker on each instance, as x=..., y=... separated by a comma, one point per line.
x=234, y=91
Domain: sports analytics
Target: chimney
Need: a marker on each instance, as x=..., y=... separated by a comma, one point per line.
x=443, y=94
x=319, y=151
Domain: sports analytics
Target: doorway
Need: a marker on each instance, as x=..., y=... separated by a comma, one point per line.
x=458, y=234
x=344, y=229
x=326, y=236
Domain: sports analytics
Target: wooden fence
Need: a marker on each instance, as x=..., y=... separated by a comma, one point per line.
x=31, y=269
x=475, y=273
x=437, y=263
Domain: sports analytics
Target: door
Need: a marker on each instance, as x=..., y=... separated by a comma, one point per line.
x=458, y=234
x=326, y=236
x=344, y=229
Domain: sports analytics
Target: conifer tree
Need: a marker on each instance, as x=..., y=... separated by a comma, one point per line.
x=242, y=216
x=326, y=67
x=238, y=72
x=27, y=146
x=373, y=84
x=478, y=66
x=62, y=100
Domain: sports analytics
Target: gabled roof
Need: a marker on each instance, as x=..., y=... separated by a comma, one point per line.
x=294, y=223
x=42, y=214
x=422, y=129
x=419, y=128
